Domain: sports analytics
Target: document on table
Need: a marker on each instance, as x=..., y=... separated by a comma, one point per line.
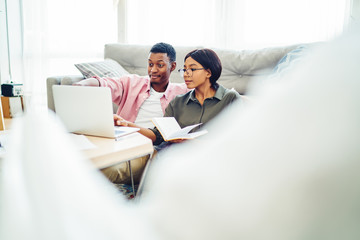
x=82, y=142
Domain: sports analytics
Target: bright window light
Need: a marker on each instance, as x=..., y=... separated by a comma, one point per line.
x=235, y=24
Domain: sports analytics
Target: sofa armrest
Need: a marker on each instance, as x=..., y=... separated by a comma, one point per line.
x=59, y=80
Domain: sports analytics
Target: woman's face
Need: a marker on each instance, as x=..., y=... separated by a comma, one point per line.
x=196, y=76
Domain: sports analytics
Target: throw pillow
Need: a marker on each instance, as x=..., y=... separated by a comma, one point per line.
x=289, y=60
x=106, y=68
x=284, y=66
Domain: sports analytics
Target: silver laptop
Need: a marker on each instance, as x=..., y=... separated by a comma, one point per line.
x=87, y=110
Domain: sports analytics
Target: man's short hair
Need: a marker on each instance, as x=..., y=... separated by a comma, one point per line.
x=164, y=48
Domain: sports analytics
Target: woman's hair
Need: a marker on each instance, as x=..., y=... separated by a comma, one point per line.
x=164, y=48
x=209, y=60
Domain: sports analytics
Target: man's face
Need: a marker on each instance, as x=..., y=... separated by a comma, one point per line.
x=159, y=68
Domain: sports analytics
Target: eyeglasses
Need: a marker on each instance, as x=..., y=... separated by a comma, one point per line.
x=189, y=71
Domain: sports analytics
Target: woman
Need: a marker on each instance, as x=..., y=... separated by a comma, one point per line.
x=202, y=68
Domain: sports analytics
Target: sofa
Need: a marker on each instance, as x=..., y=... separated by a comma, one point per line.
x=240, y=67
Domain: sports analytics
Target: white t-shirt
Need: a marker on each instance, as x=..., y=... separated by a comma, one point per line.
x=149, y=109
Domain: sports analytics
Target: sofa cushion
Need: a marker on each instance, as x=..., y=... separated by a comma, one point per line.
x=240, y=67
x=106, y=68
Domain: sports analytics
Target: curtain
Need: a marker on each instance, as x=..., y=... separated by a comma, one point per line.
x=58, y=34
x=235, y=24
x=10, y=41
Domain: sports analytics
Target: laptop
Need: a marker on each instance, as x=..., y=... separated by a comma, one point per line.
x=88, y=111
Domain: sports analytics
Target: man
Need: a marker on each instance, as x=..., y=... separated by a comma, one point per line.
x=140, y=99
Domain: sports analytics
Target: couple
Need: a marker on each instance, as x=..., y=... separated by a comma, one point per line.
x=140, y=99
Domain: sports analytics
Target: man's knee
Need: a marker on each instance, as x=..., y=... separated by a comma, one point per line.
x=120, y=173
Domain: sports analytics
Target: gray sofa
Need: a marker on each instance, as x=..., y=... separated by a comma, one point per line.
x=239, y=67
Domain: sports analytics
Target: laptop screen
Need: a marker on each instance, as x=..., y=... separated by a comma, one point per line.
x=85, y=110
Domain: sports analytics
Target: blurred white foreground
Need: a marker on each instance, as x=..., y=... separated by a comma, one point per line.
x=284, y=167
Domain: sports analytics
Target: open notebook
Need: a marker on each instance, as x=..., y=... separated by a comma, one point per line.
x=88, y=111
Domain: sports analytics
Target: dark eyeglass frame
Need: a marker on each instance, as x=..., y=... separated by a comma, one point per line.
x=189, y=71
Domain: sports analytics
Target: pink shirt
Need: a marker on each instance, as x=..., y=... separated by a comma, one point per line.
x=130, y=91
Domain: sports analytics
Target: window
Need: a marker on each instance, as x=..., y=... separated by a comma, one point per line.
x=235, y=24
x=58, y=34
x=49, y=37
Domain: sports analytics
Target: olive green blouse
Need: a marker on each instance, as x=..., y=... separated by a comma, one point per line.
x=187, y=110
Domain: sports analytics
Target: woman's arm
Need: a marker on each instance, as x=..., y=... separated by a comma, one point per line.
x=169, y=112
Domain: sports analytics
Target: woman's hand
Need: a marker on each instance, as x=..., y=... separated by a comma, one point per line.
x=119, y=121
x=178, y=140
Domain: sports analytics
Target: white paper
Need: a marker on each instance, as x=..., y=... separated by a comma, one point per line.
x=15, y=106
x=82, y=142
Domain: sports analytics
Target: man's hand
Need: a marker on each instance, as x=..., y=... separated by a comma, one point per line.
x=93, y=82
x=119, y=121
